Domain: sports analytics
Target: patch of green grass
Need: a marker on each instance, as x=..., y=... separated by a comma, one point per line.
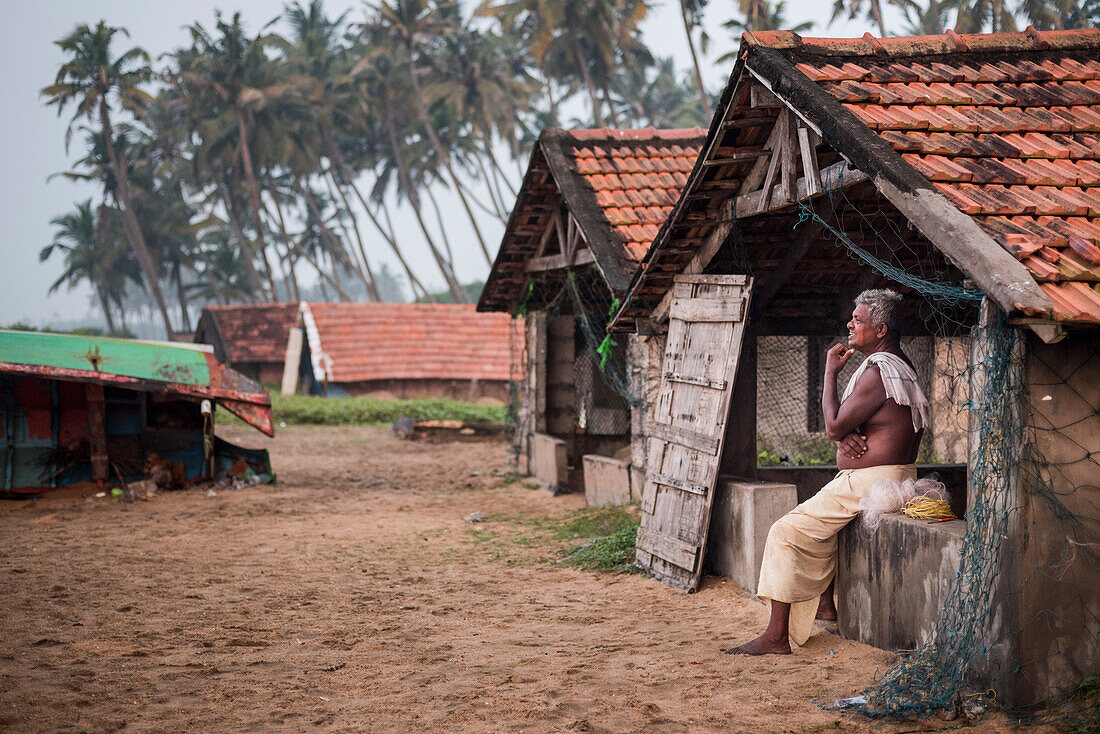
x=317, y=411
x=611, y=553
x=596, y=522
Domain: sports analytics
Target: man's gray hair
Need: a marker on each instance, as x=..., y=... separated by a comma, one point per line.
x=884, y=306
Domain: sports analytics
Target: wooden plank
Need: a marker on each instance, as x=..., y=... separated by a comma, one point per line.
x=838, y=175
x=666, y=481
x=700, y=381
x=762, y=98
x=731, y=309
x=692, y=439
x=809, y=162
x=559, y=261
x=672, y=550
x=701, y=259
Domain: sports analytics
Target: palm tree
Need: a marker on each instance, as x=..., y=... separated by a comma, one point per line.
x=763, y=15
x=691, y=11
x=230, y=81
x=91, y=75
x=90, y=257
x=976, y=17
x=854, y=9
x=406, y=25
x=383, y=98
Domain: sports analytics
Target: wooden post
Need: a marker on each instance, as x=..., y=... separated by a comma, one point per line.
x=97, y=433
x=739, y=452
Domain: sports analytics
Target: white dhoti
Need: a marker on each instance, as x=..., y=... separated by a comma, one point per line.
x=800, y=555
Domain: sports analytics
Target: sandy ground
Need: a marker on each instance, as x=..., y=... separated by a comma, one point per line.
x=354, y=596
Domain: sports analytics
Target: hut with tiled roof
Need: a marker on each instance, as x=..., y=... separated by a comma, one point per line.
x=406, y=350
x=960, y=170
x=588, y=209
x=252, y=338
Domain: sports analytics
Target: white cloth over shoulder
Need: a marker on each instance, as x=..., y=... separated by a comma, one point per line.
x=900, y=382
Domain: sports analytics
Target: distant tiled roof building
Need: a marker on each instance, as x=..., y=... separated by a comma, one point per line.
x=612, y=188
x=409, y=349
x=252, y=338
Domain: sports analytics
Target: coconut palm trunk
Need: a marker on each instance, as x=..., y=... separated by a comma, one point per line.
x=254, y=198
x=442, y=154
x=593, y=100
x=458, y=293
x=238, y=231
x=337, y=157
x=105, y=305
x=130, y=223
x=688, y=28
x=369, y=281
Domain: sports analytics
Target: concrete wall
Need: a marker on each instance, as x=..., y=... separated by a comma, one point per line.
x=891, y=586
x=485, y=391
x=606, y=481
x=741, y=516
x=1059, y=585
x=549, y=462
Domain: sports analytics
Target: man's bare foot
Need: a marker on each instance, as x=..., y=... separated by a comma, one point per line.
x=761, y=646
x=826, y=610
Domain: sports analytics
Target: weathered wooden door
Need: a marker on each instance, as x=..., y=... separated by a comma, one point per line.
x=706, y=326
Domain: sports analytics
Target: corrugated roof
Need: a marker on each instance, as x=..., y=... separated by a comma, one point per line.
x=410, y=341
x=1005, y=126
x=249, y=333
x=148, y=366
x=619, y=185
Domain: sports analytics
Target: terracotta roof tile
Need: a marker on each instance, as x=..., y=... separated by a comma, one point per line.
x=384, y=341
x=1006, y=126
x=251, y=332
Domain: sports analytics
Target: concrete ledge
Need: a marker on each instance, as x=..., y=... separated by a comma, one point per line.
x=637, y=483
x=742, y=515
x=606, y=481
x=549, y=462
x=891, y=586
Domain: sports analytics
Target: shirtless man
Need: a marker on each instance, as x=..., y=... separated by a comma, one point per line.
x=877, y=428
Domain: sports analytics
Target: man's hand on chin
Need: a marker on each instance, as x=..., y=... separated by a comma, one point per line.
x=837, y=356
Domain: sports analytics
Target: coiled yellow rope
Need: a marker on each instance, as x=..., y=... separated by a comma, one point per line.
x=928, y=506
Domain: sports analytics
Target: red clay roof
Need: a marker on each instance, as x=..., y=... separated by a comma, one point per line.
x=1006, y=126
x=251, y=333
x=636, y=177
x=409, y=341
x=619, y=185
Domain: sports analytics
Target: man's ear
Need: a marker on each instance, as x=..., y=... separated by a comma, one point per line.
x=880, y=330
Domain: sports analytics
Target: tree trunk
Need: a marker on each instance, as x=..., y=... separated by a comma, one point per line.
x=688, y=27
x=246, y=248
x=106, y=306
x=327, y=234
x=389, y=226
x=876, y=12
x=453, y=286
x=129, y=218
x=443, y=156
x=372, y=285
x=286, y=242
x=488, y=141
x=181, y=296
x=442, y=228
x=336, y=156
x=597, y=118
x=254, y=196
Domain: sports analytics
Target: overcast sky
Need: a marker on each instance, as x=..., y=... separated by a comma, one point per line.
x=33, y=135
